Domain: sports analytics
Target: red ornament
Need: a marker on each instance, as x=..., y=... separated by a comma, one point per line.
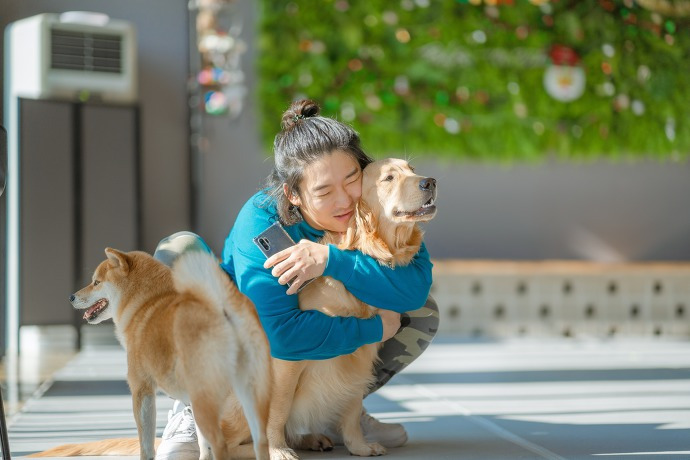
x=563, y=55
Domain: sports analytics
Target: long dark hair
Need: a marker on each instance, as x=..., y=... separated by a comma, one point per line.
x=305, y=137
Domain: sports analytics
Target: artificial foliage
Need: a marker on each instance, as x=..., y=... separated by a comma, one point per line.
x=466, y=79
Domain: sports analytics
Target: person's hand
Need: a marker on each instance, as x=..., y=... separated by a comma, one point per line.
x=391, y=323
x=301, y=262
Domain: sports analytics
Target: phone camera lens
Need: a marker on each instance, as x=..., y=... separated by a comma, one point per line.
x=264, y=243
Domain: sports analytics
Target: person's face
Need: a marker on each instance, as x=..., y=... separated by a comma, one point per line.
x=329, y=190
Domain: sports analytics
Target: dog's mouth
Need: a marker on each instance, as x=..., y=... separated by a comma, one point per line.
x=427, y=209
x=96, y=309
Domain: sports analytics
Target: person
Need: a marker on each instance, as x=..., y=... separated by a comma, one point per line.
x=313, y=188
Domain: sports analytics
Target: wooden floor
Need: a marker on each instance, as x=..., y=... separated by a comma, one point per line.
x=518, y=399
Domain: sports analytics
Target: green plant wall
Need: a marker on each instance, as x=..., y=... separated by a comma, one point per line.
x=469, y=78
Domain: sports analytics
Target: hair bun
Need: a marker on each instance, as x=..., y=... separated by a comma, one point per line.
x=304, y=108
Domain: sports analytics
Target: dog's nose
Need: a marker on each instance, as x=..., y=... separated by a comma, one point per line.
x=71, y=298
x=428, y=183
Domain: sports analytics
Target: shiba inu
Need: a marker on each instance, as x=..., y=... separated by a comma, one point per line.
x=190, y=332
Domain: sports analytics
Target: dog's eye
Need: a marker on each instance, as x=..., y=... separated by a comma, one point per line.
x=389, y=178
x=96, y=282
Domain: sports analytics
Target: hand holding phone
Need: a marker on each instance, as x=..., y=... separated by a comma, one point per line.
x=274, y=240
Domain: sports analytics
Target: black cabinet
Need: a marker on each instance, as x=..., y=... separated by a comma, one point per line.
x=78, y=193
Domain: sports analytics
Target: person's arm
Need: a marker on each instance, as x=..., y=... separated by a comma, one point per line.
x=400, y=289
x=294, y=334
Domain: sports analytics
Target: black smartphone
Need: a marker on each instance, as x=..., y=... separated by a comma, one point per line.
x=273, y=240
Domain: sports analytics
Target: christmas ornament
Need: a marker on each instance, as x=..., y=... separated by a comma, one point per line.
x=215, y=103
x=564, y=79
x=213, y=76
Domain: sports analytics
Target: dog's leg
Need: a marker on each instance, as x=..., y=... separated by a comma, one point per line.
x=204, y=446
x=254, y=394
x=144, y=404
x=285, y=377
x=352, y=431
x=208, y=421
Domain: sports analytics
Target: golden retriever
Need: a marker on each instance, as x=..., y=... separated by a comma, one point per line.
x=310, y=395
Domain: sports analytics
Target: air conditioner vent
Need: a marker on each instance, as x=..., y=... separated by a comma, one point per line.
x=87, y=52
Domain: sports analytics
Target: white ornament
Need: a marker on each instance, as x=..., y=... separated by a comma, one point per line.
x=451, y=125
x=638, y=107
x=564, y=83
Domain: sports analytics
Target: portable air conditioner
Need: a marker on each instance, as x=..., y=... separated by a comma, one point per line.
x=75, y=56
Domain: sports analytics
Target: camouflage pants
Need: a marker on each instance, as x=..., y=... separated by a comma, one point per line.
x=416, y=332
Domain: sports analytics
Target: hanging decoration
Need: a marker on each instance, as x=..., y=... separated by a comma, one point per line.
x=564, y=79
x=220, y=47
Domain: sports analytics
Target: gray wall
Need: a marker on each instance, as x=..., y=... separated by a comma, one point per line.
x=234, y=166
x=598, y=210
x=162, y=37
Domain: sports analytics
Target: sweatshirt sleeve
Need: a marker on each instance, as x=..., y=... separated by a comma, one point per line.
x=400, y=289
x=294, y=334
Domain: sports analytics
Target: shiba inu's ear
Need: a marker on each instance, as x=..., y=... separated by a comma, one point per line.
x=117, y=259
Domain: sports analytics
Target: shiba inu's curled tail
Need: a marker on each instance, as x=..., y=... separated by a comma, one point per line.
x=198, y=273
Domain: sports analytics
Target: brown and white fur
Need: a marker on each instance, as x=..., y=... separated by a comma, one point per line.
x=309, y=395
x=191, y=333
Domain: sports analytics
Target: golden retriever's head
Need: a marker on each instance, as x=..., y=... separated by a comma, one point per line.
x=394, y=192
x=394, y=199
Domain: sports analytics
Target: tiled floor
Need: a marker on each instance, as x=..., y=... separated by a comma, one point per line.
x=518, y=399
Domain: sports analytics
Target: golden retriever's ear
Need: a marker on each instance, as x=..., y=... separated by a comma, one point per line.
x=354, y=231
x=364, y=234
x=117, y=259
x=366, y=220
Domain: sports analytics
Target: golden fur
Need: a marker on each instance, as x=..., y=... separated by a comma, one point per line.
x=191, y=333
x=314, y=394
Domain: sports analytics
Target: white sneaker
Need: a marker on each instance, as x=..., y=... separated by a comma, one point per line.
x=179, y=436
x=386, y=434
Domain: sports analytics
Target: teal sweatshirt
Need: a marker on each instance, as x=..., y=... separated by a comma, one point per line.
x=299, y=335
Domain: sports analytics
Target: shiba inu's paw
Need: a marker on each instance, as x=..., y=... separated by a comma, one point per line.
x=367, y=450
x=284, y=453
x=317, y=442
